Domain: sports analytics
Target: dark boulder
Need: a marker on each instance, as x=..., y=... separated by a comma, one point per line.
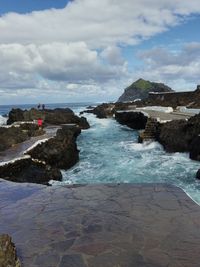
x=60, y=151
x=198, y=175
x=8, y=255
x=134, y=120
x=50, y=116
x=195, y=149
x=102, y=111
x=26, y=170
x=177, y=136
x=15, y=114
x=17, y=134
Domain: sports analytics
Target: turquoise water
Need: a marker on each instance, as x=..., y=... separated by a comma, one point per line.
x=109, y=153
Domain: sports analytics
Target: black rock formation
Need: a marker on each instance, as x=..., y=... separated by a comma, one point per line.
x=195, y=149
x=50, y=116
x=60, y=151
x=177, y=136
x=134, y=120
x=17, y=134
x=26, y=170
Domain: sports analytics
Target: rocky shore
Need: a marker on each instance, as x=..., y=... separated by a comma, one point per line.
x=174, y=136
x=10, y=136
x=42, y=162
x=56, y=116
x=134, y=120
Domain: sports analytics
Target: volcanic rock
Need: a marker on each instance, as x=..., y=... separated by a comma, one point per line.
x=177, y=136
x=50, y=116
x=8, y=255
x=134, y=120
x=17, y=134
x=198, y=174
x=60, y=151
x=25, y=170
x=102, y=111
x=195, y=149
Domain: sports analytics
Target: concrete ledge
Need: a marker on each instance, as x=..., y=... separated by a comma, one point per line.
x=126, y=225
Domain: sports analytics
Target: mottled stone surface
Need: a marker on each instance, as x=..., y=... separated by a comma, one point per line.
x=127, y=225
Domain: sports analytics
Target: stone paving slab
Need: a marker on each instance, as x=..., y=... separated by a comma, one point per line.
x=163, y=116
x=126, y=225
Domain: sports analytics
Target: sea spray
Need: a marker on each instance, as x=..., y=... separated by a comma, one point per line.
x=3, y=120
x=110, y=153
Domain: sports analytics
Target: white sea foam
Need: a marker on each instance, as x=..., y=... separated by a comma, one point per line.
x=14, y=160
x=3, y=120
x=141, y=147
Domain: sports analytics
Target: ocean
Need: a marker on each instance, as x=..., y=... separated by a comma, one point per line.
x=109, y=153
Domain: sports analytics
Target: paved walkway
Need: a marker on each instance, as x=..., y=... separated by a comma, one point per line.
x=18, y=150
x=166, y=116
x=144, y=225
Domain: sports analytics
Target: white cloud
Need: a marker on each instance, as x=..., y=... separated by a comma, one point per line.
x=78, y=46
x=55, y=61
x=178, y=68
x=113, y=55
x=98, y=23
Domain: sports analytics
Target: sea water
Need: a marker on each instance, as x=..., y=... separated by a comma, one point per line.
x=110, y=153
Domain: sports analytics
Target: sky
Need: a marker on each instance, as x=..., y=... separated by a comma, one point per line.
x=89, y=50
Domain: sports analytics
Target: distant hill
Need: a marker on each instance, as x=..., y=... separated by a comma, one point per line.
x=140, y=90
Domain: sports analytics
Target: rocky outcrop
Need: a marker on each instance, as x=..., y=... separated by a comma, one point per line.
x=50, y=116
x=17, y=134
x=8, y=255
x=43, y=161
x=140, y=90
x=198, y=175
x=102, y=111
x=60, y=151
x=25, y=170
x=195, y=149
x=177, y=136
x=134, y=120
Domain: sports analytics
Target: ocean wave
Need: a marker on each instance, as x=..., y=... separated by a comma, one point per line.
x=3, y=120
x=141, y=147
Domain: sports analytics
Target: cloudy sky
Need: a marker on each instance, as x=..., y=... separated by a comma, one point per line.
x=90, y=50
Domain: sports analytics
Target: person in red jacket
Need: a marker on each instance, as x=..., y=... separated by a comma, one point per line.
x=40, y=122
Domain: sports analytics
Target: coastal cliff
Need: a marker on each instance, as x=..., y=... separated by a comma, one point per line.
x=41, y=161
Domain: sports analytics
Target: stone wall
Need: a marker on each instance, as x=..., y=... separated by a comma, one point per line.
x=189, y=98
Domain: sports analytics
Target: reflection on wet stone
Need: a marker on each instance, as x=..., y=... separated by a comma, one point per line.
x=152, y=225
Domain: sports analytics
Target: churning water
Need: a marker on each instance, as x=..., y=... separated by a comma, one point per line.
x=109, y=153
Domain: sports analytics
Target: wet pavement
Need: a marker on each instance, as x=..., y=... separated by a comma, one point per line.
x=127, y=225
x=163, y=116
